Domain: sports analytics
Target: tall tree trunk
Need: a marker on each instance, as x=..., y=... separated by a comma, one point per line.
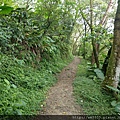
x=97, y=46
x=93, y=41
x=84, y=55
x=113, y=70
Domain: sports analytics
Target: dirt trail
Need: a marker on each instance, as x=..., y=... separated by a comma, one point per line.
x=60, y=100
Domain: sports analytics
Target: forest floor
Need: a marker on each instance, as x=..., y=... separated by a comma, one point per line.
x=60, y=99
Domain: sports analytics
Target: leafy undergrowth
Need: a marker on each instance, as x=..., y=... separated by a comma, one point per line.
x=23, y=88
x=88, y=94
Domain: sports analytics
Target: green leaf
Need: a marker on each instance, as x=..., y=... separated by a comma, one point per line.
x=14, y=86
x=112, y=88
x=20, y=104
x=5, y=9
x=114, y=103
x=117, y=108
x=7, y=82
x=99, y=73
x=19, y=111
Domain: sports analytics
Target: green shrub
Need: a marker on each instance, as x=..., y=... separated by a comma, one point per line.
x=23, y=88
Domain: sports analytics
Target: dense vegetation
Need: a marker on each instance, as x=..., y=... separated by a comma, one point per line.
x=34, y=46
x=38, y=38
x=23, y=88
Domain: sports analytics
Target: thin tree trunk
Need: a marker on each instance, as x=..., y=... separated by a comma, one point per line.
x=84, y=40
x=75, y=46
x=93, y=41
x=102, y=22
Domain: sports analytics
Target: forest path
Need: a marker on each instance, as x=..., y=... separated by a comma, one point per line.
x=60, y=100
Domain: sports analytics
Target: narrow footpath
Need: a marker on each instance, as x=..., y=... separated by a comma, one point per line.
x=60, y=100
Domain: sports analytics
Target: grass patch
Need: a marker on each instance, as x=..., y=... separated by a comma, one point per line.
x=88, y=94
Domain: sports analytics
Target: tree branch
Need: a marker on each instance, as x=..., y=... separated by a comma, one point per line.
x=110, y=4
